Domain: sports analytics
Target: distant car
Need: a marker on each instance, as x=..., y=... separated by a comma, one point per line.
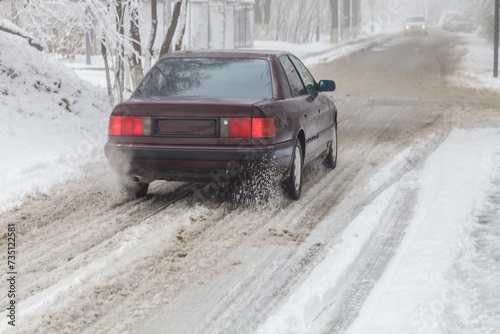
x=415, y=25
x=214, y=115
x=458, y=22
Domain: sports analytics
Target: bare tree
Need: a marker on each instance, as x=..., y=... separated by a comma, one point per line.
x=484, y=10
x=334, y=10
x=152, y=35
x=182, y=26
x=171, y=29
x=137, y=71
x=262, y=16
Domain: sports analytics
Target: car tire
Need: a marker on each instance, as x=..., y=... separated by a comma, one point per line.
x=293, y=183
x=331, y=159
x=136, y=189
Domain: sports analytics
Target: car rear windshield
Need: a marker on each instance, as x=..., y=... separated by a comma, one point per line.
x=208, y=77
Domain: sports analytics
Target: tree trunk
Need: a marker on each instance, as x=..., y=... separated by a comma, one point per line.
x=334, y=9
x=178, y=45
x=15, y=13
x=171, y=29
x=346, y=19
x=119, y=77
x=137, y=72
x=104, y=52
x=152, y=35
x=30, y=41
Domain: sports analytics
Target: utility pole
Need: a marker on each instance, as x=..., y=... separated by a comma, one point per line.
x=497, y=28
x=317, y=20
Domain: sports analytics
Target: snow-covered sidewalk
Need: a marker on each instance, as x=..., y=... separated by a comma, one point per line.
x=445, y=278
x=445, y=275
x=477, y=64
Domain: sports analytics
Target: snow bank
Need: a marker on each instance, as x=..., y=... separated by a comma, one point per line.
x=431, y=284
x=476, y=68
x=420, y=291
x=51, y=122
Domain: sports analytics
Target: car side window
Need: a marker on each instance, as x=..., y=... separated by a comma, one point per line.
x=306, y=76
x=285, y=86
x=296, y=85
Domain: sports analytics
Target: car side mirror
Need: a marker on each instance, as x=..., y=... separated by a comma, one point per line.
x=327, y=85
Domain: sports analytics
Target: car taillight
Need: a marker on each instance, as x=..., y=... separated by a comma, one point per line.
x=240, y=127
x=129, y=126
x=263, y=128
x=249, y=127
x=115, y=126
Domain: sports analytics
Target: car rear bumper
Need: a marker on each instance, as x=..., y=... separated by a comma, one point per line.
x=149, y=163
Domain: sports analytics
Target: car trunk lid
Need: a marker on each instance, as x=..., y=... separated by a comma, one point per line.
x=181, y=121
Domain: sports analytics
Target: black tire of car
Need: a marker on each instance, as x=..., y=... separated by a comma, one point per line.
x=136, y=189
x=293, y=184
x=331, y=159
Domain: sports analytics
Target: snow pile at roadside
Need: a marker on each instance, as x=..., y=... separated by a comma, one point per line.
x=444, y=277
x=6, y=24
x=51, y=121
x=477, y=65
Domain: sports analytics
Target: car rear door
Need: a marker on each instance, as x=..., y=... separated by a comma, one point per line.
x=324, y=115
x=306, y=104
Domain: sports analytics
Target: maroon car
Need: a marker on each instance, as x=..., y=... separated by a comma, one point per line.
x=214, y=115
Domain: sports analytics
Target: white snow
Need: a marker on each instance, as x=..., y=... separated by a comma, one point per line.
x=93, y=73
x=418, y=292
x=300, y=312
x=318, y=52
x=477, y=65
x=53, y=121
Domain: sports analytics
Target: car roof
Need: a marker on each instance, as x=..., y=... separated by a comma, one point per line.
x=240, y=53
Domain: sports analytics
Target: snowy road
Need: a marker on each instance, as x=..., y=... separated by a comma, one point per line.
x=183, y=261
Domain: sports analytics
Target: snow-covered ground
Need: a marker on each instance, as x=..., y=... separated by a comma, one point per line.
x=313, y=53
x=51, y=121
x=477, y=67
x=444, y=276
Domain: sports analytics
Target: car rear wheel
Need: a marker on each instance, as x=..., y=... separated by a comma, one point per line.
x=136, y=189
x=293, y=183
x=331, y=158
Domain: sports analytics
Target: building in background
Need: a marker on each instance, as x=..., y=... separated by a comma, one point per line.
x=219, y=24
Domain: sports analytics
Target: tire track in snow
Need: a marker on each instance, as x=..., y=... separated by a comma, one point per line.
x=398, y=218
x=51, y=262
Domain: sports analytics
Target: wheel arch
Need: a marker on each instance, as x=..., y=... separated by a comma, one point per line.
x=302, y=137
